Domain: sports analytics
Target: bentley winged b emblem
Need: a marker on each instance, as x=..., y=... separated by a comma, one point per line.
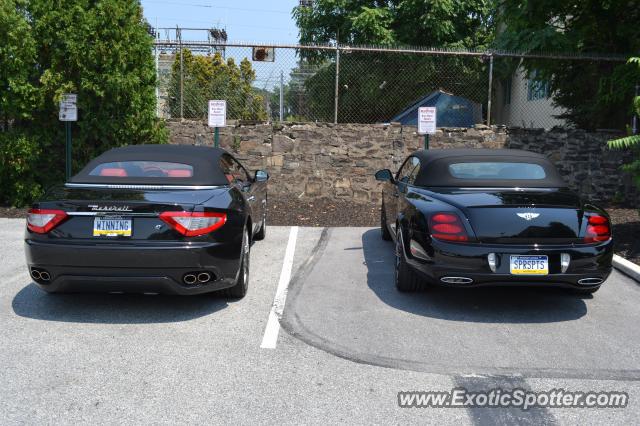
x=528, y=216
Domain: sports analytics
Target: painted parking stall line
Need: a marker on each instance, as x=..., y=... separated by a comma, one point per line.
x=270, y=338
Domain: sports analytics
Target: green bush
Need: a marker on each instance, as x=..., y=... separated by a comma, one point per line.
x=20, y=171
x=631, y=142
x=100, y=50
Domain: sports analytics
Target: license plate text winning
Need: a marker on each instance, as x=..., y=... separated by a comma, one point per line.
x=111, y=227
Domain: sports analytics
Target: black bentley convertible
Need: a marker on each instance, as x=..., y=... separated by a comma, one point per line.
x=478, y=217
x=149, y=219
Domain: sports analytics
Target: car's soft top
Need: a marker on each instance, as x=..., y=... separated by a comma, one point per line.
x=434, y=168
x=204, y=161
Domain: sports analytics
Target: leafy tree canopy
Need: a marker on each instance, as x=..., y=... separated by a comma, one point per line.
x=595, y=94
x=631, y=142
x=376, y=86
x=98, y=49
x=17, y=60
x=211, y=77
x=461, y=23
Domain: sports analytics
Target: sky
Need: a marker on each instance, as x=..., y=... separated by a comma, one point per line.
x=244, y=20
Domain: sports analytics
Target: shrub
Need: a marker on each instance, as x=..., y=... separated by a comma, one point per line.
x=19, y=169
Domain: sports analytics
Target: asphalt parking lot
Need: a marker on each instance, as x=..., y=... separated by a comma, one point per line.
x=348, y=343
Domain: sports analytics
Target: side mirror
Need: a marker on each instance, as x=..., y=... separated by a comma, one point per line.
x=384, y=175
x=261, y=176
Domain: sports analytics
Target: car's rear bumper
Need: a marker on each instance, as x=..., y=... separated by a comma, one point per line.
x=470, y=261
x=143, y=268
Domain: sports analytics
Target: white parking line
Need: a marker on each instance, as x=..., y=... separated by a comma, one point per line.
x=272, y=330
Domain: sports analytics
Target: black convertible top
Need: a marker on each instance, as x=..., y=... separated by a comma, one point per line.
x=434, y=167
x=205, y=161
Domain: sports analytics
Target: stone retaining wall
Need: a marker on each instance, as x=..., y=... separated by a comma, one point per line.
x=327, y=160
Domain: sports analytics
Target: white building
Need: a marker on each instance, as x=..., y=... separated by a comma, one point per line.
x=524, y=101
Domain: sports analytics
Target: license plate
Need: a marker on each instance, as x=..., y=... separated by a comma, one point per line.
x=112, y=227
x=529, y=265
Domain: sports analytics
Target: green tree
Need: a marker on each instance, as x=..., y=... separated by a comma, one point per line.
x=460, y=23
x=377, y=86
x=102, y=51
x=19, y=152
x=296, y=101
x=99, y=50
x=211, y=77
x=17, y=63
x=631, y=142
x=595, y=94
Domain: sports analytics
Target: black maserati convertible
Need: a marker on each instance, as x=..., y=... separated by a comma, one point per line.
x=149, y=219
x=478, y=217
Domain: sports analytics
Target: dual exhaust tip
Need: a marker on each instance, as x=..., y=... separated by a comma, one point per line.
x=590, y=281
x=465, y=280
x=456, y=280
x=40, y=275
x=193, y=278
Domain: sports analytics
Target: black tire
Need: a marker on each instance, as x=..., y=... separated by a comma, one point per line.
x=407, y=280
x=585, y=291
x=262, y=233
x=386, y=235
x=239, y=290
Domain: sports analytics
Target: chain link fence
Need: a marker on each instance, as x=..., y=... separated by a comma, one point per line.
x=266, y=83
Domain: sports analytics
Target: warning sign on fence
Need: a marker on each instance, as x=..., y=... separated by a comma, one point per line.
x=427, y=120
x=217, y=113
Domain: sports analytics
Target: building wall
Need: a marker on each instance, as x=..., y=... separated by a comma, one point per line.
x=339, y=161
x=518, y=110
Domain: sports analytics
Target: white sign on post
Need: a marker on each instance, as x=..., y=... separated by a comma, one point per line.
x=427, y=120
x=217, y=113
x=68, y=107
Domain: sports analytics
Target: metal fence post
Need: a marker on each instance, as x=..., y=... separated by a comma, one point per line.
x=335, y=115
x=490, y=89
x=281, y=95
x=179, y=34
x=634, y=123
x=157, y=61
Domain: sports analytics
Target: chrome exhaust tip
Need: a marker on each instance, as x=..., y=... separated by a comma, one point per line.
x=456, y=280
x=590, y=281
x=44, y=276
x=35, y=274
x=190, y=279
x=204, y=277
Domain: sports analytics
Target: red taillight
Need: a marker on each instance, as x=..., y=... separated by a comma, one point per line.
x=598, y=229
x=42, y=221
x=448, y=227
x=193, y=224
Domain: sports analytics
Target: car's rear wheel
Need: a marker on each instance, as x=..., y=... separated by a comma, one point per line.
x=407, y=280
x=386, y=235
x=239, y=290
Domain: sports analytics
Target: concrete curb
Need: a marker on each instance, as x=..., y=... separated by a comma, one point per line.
x=628, y=268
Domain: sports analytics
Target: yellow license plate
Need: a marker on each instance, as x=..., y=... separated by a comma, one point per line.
x=529, y=265
x=112, y=227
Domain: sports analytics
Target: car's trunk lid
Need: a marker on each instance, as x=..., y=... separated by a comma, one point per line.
x=140, y=206
x=519, y=216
